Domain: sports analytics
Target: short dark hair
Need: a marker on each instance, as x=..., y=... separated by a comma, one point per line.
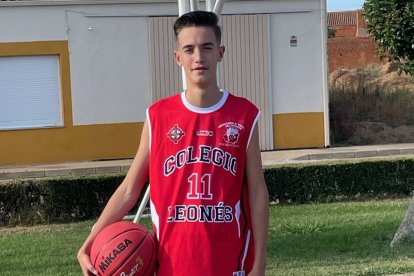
x=198, y=19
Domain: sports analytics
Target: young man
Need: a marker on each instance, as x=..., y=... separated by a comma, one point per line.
x=200, y=148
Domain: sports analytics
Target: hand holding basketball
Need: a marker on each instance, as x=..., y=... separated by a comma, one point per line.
x=85, y=264
x=124, y=248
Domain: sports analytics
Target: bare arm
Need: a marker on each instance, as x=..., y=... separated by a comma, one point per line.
x=122, y=200
x=259, y=204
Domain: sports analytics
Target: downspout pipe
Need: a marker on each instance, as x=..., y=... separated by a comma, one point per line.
x=325, y=71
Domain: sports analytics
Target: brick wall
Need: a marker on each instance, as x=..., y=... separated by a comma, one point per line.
x=351, y=52
x=345, y=31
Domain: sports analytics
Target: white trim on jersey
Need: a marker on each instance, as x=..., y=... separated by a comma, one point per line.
x=204, y=110
x=155, y=219
x=149, y=128
x=252, y=129
x=237, y=214
x=246, y=248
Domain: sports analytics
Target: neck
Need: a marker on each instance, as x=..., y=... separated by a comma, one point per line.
x=203, y=97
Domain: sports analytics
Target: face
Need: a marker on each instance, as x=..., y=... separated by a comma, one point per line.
x=198, y=53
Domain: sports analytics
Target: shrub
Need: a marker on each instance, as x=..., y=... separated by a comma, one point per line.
x=365, y=112
x=63, y=199
x=44, y=200
x=330, y=181
x=331, y=33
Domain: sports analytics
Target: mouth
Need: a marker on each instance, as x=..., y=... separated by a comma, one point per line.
x=201, y=68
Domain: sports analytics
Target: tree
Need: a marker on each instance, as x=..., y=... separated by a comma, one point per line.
x=331, y=33
x=391, y=24
x=406, y=229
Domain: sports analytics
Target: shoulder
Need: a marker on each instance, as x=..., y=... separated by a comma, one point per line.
x=164, y=107
x=166, y=102
x=242, y=103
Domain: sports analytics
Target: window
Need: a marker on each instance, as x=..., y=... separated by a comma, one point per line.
x=30, y=94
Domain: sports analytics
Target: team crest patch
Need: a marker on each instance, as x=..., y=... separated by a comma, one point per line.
x=239, y=273
x=232, y=133
x=175, y=134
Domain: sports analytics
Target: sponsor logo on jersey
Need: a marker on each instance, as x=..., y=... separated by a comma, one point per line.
x=175, y=134
x=204, y=133
x=239, y=273
x=232, y=133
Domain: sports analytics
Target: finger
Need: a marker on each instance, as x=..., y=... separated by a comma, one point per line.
x=93, y=270
x=89, y=271
x=86, y=272
x=87, y=267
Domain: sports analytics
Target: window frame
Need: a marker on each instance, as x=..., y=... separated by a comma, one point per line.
x=40, y=48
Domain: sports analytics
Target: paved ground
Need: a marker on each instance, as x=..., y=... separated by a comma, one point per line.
x=268, y=158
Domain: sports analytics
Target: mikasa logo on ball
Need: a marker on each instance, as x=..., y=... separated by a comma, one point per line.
x=112, y=256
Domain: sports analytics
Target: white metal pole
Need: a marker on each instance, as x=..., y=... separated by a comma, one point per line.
x=142, y=205
x=194, y=5
x=218, y=7
x=210, y=5
x=184, y=6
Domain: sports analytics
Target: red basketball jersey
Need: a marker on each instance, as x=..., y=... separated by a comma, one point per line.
x=199, y=200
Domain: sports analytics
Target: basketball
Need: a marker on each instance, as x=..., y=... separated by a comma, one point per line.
x=124, y=248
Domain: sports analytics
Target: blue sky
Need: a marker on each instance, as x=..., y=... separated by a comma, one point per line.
x=344, y=5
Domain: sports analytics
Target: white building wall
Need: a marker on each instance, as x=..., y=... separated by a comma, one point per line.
x=108, y=45
x=297, y=71
x=39, y=23
x=111, y=77
x=110, y=68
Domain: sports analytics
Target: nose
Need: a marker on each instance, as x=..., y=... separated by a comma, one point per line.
x=198, y=55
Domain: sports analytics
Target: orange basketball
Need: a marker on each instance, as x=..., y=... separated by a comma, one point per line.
x=124, y=248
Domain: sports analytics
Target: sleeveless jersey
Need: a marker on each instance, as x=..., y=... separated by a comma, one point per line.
x=199, y=196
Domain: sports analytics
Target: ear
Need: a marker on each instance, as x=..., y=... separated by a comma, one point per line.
x=222, y=49
x=177, y=57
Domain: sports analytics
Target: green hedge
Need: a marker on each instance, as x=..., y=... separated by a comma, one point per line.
x=46, y=200
x=340, y=180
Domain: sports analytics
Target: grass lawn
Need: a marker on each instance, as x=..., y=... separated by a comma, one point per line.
x=317, y=239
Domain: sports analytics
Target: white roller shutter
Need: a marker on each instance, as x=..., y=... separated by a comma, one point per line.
x=30, y=92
